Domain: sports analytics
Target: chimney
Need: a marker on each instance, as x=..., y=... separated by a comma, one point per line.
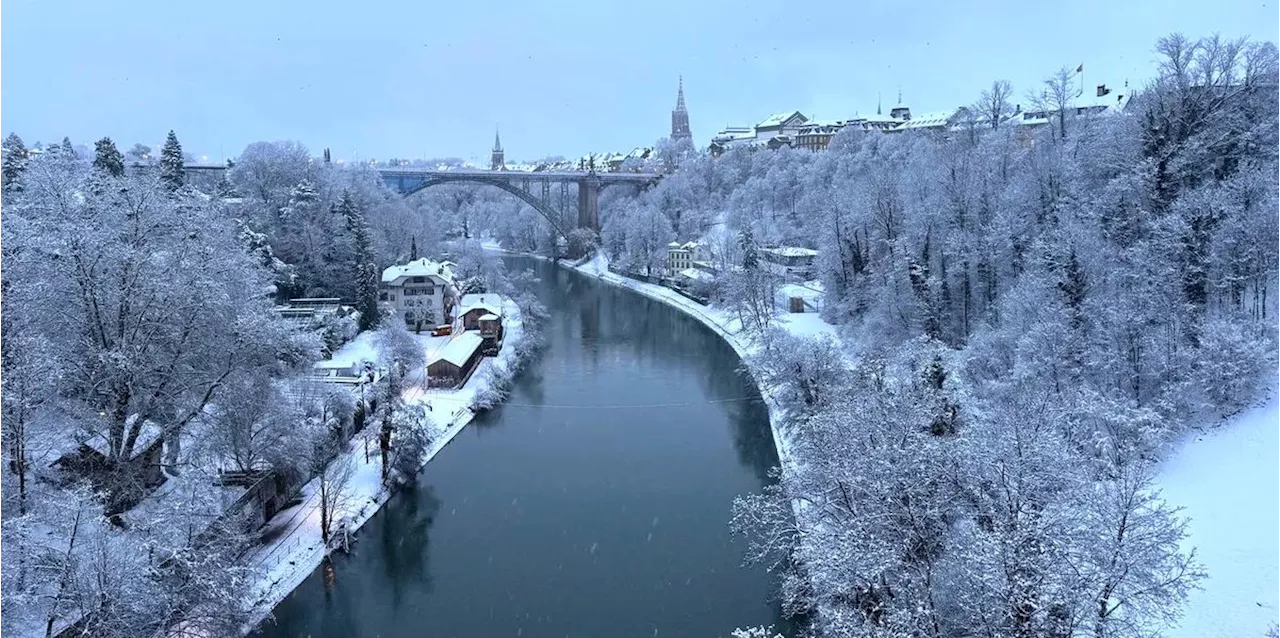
x=1103, y=90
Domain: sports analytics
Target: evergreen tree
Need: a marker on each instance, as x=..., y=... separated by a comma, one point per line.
x=364, y=270
x=107, y=158
x=15, y=161
x=747, y=241
x=413, y=249
x=171, y=163
x=67, y=149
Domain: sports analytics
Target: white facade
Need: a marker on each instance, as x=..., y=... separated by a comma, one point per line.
x=420, y=293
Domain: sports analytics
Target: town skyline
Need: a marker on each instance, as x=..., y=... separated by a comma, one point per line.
x=391, y=89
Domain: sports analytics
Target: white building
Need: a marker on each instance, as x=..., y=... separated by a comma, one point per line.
x=684, y=256
x=421, y=293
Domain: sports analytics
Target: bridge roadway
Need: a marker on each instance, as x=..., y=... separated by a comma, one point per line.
x=533, y=187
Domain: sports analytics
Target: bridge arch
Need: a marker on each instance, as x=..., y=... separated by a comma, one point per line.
x=547, y=211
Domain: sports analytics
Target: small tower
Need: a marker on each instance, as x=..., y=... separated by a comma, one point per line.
x=680, y=116
x=496, y=162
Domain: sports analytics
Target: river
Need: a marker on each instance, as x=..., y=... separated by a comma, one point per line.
x=595, y=502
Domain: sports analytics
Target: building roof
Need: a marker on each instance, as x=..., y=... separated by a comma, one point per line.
x=735, y=134
x=487, y=301
x=419, y=268
x=489, y=317
x=928, y=120
x=695, y=274
x=459, y=349
x=780, y=119
x=791, y=251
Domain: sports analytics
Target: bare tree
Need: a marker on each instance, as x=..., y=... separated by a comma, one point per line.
x=334, y=481
x=993, y=107
x=1056, y=97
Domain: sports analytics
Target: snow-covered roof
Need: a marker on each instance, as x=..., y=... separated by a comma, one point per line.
x=735, y=134
x=695, y=274
x=791, y=251
x=419, y=268
x=148, y=434
x=799, y=290
x=690, y=245
x=459, y=349
x=489, y=317
x=928, y=120
x=674, y=244
x=487, y=301
x=779, y=119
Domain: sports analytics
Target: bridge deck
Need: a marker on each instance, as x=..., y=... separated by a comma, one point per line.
x=463, y=173
x=548, y=175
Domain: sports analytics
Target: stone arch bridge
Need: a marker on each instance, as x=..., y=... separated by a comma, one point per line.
x=535, y=188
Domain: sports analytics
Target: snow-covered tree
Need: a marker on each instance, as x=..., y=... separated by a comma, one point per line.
x=107, y=158
x=172, y=163
x=364, y=271
x=14, y=161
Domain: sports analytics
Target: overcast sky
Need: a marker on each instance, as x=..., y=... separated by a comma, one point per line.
x=432, y=79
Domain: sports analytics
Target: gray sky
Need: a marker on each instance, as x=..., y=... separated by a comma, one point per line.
x=415, y=79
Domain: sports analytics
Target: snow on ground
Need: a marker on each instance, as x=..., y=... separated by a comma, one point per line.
x=295, y=547
x=1226, y=478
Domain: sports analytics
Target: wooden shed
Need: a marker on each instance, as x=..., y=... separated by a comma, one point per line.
x=455, y=362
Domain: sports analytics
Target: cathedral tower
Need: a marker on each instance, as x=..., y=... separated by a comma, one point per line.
x=496, y=162
x=680, y=116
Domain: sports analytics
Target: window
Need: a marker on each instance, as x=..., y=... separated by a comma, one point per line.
x=418, y=280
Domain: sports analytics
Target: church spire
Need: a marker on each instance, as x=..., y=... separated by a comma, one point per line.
x=680, y=116
x=496, y=161
x=878, y=104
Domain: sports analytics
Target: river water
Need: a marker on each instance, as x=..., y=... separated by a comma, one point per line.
x=595, y=502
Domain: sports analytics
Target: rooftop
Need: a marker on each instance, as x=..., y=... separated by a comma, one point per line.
x=418, y=268
x=778, y=119
x=459, y=349
x=791, y=251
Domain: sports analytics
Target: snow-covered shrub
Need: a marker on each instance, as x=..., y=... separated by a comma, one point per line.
x=337, y=329
x=582, y=242
x=1230, y=365
x=808, y=374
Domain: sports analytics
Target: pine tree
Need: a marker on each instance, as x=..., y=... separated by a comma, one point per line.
x=67, y=149
x=413, y=248
x=107, y=158
x=15, y=161
x=364, y=271
x=747, y=241
x=171, y=163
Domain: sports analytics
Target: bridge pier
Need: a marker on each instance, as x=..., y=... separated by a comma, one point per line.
x=589, y=203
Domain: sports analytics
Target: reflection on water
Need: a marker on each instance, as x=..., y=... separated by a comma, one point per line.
x=594, y=503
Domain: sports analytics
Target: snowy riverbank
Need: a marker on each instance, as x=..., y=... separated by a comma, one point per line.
x=1225, y=479
x=727, y=326
x=295, y=548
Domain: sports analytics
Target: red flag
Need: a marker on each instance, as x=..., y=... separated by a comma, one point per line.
x=1080, y=69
